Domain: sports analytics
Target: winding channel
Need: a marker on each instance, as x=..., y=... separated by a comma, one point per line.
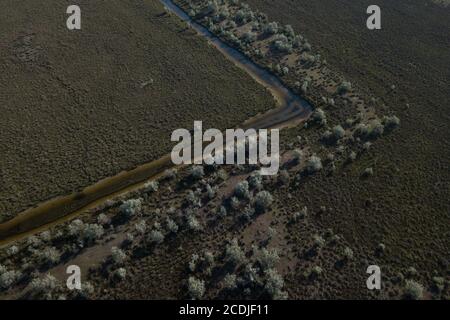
x=291, y=109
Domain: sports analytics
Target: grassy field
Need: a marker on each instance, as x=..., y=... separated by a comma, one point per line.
x=78, y=106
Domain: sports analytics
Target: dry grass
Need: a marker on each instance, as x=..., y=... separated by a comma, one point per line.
x=78, y=106
x=403, y=206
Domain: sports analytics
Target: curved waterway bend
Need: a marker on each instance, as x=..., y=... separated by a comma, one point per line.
x=291, y=110
x=291, y=106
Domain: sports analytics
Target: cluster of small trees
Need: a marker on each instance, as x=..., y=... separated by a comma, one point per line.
x=344, y=87
x=376, y=128
x=259, y=273
x=297, y=155
x=309, y=60
x=255, y=181
x=333, y=136
x=115, y=264
x=151, y=186
x=171, y=226
x=44, y=287
x=156, y=234
x=282, y=43
x=313, y=164
x=118, y=256
x=233, y=253
x=248, y=277
x=196, y=288
x=263, y=200
x=156, y=237
x=274, y=284
x=314, y=273
x=192, y=223
x=197, y=172
x=319, y=117
x=12, y=250
x=266, y=258
x=49, y=256
x=248, y=198
x=120, y=273
x=391, y=122
x=298, y=215
x=8, y=277
x=86, y=233
x=413, y=290
x=199, y=263
x=229, y=14
x=45, y=249
x=130, y=208
x=347, y=254
x=270, y=28
x=241, y=190
x=373, y=130
x=203, y=263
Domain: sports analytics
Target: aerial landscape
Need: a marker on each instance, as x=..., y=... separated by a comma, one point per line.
x=225, y=150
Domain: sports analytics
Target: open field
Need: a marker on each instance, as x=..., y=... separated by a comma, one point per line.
x=81, y=106
x=363, y=181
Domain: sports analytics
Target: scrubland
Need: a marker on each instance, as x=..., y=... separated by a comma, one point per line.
x=362, y=182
